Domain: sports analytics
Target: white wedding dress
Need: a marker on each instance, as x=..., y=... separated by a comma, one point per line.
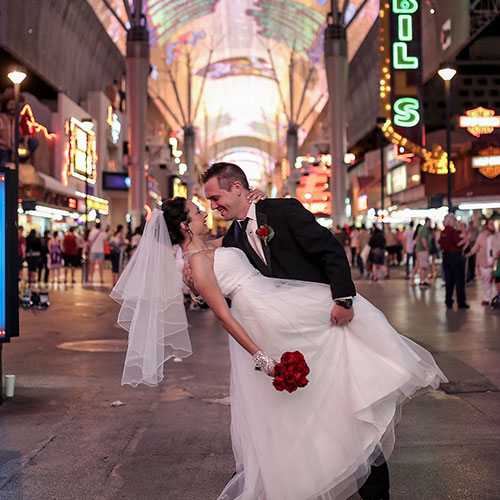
x=318, y=442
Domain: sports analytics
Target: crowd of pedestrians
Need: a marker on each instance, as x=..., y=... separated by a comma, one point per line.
x=55, y=257
x=464, y=249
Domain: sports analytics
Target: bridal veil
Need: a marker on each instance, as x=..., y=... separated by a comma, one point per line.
x=152, y=306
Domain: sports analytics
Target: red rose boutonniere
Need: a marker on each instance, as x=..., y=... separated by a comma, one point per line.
x=265, y=233
x=291, y=372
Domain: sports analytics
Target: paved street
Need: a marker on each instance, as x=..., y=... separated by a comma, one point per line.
x=61, y=438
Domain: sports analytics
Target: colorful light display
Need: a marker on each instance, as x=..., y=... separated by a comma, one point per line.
x=169, y=16
x=434, y=160
x=298, y=28
x=239, y=33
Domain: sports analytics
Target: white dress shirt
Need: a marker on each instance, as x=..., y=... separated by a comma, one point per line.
x=251, y=230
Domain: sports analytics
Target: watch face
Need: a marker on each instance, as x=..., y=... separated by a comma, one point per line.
x=346, y=303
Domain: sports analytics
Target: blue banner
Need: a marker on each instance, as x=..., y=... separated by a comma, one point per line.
x=2, y=256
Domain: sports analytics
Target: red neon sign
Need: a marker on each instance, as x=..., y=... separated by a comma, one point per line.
x=33, y=125
x=401, y=154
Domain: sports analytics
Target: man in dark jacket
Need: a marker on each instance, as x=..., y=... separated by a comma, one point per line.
x=280, y=237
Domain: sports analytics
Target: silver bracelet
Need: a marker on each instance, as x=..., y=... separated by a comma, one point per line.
x=263, y=362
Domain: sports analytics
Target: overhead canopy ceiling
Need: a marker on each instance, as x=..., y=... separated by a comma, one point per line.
x=237, y=51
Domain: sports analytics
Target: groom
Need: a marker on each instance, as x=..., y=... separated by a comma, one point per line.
x=280, y=237
x=283, y=240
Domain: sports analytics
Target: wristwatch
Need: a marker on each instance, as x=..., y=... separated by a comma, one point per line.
x=345, y=303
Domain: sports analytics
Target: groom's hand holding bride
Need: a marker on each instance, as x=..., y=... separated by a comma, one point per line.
x=341, y=316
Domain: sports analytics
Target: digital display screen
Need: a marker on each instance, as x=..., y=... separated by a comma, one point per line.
x=116, y=181
x=2, y=256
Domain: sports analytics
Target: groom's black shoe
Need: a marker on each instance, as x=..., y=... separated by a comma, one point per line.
x=376, y=486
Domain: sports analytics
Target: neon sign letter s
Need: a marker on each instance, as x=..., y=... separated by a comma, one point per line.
x=404, y=6
x=406, y=112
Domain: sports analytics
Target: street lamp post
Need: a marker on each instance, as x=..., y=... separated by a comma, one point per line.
x=380, y=122
x=447, y=72
x=16, y=75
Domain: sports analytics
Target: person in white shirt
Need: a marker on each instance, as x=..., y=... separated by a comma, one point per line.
x=487, y=248
x=97, y=237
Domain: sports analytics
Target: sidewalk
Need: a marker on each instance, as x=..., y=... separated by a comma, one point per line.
x=60, y=438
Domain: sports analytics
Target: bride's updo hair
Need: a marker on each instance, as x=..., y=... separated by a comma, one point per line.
x=175, y=212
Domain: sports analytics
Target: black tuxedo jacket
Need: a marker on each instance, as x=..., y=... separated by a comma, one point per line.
x=301, y=248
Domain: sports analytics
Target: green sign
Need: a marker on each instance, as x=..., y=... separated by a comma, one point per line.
x=406, y=71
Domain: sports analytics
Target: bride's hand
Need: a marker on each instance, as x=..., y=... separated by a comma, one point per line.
x=255, y=195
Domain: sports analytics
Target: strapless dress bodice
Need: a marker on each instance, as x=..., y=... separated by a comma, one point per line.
x=232, y=270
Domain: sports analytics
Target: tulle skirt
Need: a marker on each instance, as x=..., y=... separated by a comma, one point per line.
x=319, y=442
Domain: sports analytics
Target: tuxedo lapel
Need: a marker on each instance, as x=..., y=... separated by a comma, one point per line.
x=262, y=221
x=243, y=244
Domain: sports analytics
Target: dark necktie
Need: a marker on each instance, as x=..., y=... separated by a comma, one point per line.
x=244, y=224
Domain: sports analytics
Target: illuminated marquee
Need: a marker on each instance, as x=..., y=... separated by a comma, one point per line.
x=80, y=153
x=479, y=121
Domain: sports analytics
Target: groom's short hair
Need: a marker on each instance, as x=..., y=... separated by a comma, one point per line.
x=227, y=174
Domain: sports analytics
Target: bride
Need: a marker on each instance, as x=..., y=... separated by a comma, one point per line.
x=317, y=443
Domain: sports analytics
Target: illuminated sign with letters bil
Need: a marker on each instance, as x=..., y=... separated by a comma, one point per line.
x=405, y=38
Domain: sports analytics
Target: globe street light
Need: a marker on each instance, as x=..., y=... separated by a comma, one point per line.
x=447, y=72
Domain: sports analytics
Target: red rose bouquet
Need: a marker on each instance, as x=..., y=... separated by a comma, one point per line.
x=291, y=372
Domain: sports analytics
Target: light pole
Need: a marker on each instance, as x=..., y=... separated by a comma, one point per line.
x=16, y=75
x=447, y=72
x=380, y=122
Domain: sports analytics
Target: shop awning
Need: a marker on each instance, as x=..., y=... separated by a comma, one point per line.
x=28, y=176
x=56, y=186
